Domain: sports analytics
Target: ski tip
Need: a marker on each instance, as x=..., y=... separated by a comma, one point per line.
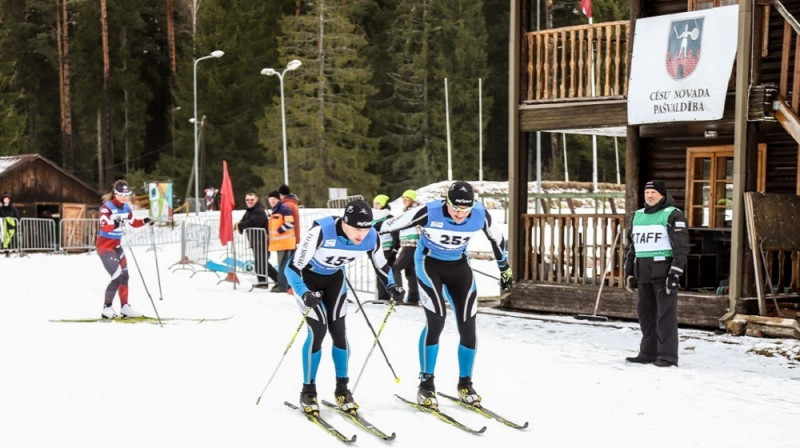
x=481, y=431
x=391, y=437
x=523, y=426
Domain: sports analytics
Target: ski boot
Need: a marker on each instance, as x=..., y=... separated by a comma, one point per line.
x=108, y=312
x=308, y=399
x=467, y=393
x=426, y=392
x=128, y=311
x=344, y=398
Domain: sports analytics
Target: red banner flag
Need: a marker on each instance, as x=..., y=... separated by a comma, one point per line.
x=226, y=206
x=586, y=8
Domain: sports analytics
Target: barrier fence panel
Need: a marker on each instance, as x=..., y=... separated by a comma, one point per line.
x=37, y=234
x=78, y=233
x=197, y=237
x=251, y=250
x=9, y=235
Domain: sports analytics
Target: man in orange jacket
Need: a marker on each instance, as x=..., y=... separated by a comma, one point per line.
x=282, y=239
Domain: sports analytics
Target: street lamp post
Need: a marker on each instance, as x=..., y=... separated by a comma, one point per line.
x=292, y=65
x=214, y=54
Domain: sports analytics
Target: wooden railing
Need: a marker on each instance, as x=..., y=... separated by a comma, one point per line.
x=578, y=62
x=574, y=249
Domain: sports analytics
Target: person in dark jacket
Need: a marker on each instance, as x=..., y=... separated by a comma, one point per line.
x=658, y=243
x=255, y=217
x=293, y=202
x=10, y=217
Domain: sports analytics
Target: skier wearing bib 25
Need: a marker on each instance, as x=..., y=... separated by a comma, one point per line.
x=443, y=273
x=114, y=214
x=316, y=273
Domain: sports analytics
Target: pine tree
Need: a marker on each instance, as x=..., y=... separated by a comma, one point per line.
x=327, y=130
x=12, y=122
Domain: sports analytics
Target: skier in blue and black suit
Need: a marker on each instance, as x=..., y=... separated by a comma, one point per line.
x=316, y=274
x=444, y=274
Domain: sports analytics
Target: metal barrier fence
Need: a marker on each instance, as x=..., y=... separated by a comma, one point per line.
x=342, y=202
x=9, y=243
x=37, y=234
x=201, y=248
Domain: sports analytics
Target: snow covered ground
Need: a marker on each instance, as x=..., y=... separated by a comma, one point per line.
x=191, y=384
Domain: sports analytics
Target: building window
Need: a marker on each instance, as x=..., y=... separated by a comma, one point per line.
x=696, y=5
x=709, y=184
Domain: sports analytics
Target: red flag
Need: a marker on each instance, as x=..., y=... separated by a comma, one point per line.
x=586, y=8
x=226, y=206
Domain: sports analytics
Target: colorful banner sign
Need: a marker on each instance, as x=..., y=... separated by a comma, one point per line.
x=160, y=200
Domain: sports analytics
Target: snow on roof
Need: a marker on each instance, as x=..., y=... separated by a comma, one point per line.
x=7, y=163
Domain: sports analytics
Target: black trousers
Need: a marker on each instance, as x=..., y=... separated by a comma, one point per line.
x=658, y=319
x=405, y=263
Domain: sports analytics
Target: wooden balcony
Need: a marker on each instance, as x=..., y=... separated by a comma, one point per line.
x=575, y=77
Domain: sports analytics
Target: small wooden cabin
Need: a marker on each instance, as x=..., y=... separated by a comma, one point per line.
x=41, y=189
x=736, y=178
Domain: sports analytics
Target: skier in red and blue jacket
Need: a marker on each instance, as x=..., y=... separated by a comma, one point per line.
x=114, y=214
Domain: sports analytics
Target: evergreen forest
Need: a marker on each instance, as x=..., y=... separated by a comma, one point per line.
x=107, y=89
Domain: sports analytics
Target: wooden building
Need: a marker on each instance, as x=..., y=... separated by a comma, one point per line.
x=41, y=189
x=737, y=178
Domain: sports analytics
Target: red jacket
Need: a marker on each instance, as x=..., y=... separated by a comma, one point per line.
x=292, y=202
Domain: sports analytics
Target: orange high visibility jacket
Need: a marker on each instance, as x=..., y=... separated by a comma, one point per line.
x=281, y=229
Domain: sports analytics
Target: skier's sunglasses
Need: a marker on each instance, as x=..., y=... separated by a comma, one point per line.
x=458, y=208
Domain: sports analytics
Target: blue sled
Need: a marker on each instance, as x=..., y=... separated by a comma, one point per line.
x=227, y=265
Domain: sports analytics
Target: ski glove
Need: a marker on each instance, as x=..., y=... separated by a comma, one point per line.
x=312, y=298
x=117, y=222
x=396, y=292
x=505, y=278
x=148, y=220
x=630, y=284
x=673, y=279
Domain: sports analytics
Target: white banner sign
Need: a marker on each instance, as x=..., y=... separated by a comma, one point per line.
x=681, y=65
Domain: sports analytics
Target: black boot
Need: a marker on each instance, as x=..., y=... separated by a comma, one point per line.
x=344, y=399
x=308, y=399
x=467, y=393
x=426, y=392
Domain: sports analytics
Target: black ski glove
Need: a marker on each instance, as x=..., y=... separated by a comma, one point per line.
x=673, y=280
x=148, y=220
x=312, y=298
x=630, y=284
x=117, y=222
x=396, y=292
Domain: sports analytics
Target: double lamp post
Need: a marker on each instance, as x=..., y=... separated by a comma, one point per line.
x=292, y=65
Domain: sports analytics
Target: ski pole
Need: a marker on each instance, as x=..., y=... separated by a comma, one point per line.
x=158, y=274
x=302, y=321
x=145, y=285
x=396, y=379
x=380, y=330
x=488, y=275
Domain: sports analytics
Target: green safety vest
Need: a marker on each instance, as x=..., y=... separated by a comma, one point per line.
x=649, y=233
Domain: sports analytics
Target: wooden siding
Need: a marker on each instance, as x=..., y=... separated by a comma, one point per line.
x=39, y=181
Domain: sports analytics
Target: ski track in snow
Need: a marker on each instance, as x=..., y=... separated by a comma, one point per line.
x=196, y=384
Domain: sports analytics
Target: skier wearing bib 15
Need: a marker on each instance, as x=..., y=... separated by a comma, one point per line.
x=316, y=274
x=114, y=215
x=444, y=274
